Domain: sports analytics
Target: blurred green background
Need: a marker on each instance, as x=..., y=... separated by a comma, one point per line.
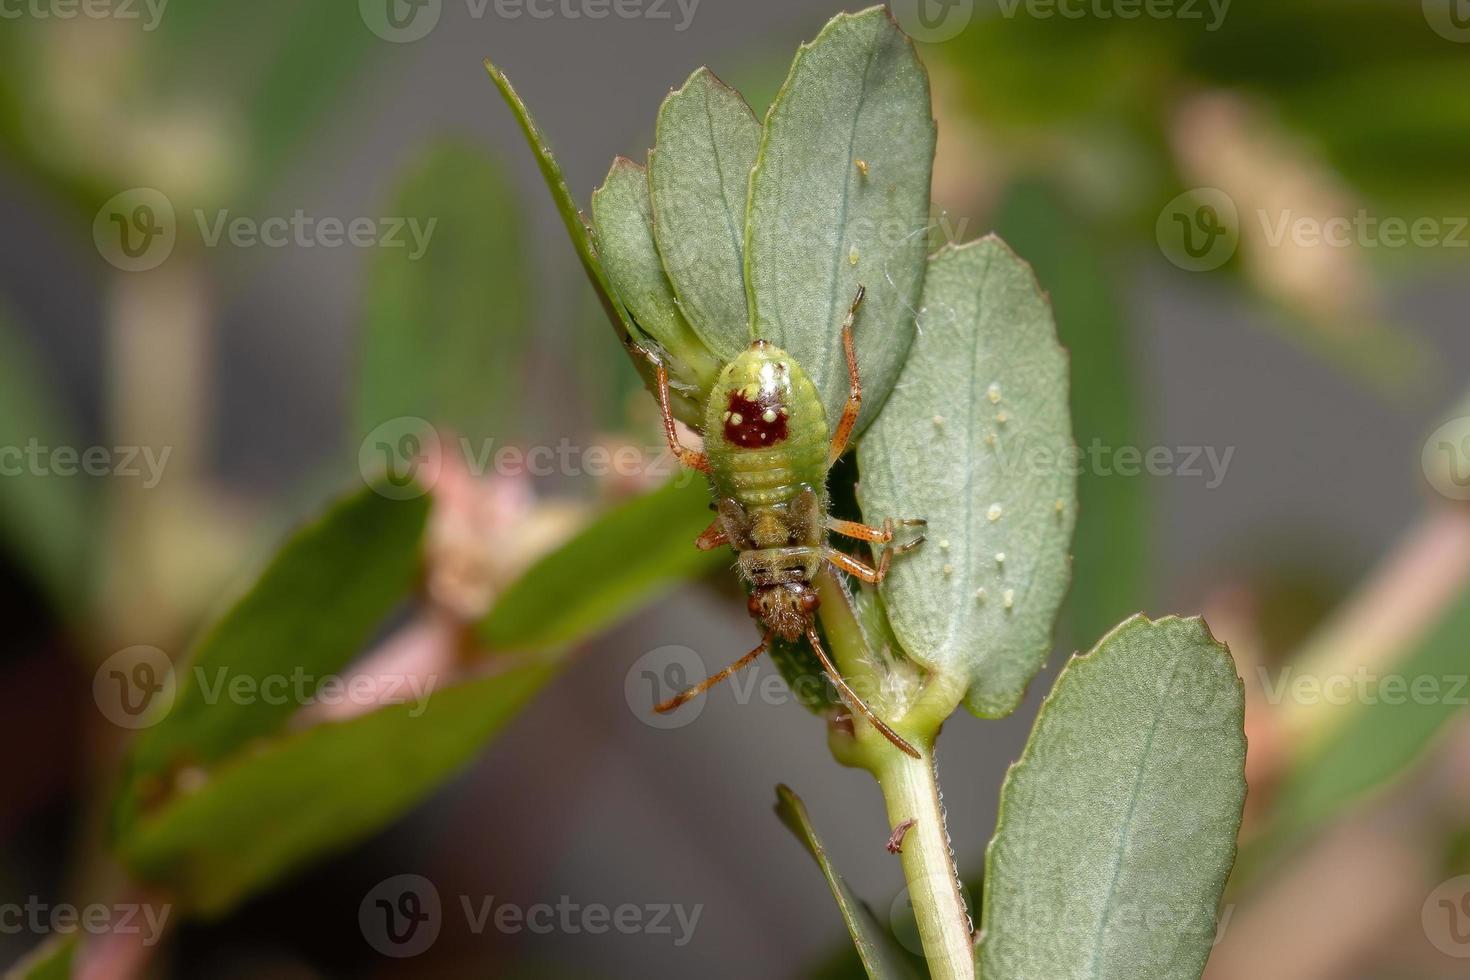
x=244, y=241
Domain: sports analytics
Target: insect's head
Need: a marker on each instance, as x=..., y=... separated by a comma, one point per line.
x=785, y=609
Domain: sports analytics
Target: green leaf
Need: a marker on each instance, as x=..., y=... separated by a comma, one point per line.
x=623, y=218
x=262, y=813
x=1111, y=546
x=873, y=943
x=444, y=328
x=52, y=960
x=301, y=56
x=613, y=566
x=976, y=439
x=45, y=517
x=310, y=611
x=686, y=409
x=1117, y=826
x=1400, y=715
x=699, y=175
x=817, y=226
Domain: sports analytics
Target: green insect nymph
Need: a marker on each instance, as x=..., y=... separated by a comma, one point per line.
x=767, y=451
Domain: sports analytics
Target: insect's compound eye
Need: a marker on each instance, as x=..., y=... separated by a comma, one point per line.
x=753, y=604
x=810, y=601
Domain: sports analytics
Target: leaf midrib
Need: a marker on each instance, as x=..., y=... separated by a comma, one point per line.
x=737, y=236
x=847, y=182
x=1124, y=835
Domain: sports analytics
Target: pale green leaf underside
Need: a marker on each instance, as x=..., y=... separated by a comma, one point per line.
x=977, y=440
x=263, y=812
x=817, y=227
x=623, y=218
x=443, y=329
x=699, y=174
x=1117, y=826
x=873, y=943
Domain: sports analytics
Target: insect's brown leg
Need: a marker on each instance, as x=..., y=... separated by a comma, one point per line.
x=884, y=534
x=853, y=701
x=854, y=385
x=852, y=566
x=665, y=707
x=713, y=536
x=690, y=458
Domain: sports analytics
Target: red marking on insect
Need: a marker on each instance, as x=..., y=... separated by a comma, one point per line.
x=754, y=424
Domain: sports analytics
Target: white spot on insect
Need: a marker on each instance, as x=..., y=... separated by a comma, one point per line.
x=1009, y=597
x=1000, y=557
x=769, y=415
x=852, y=255
x=994, y=512
x=993, y=393
x=736, y=418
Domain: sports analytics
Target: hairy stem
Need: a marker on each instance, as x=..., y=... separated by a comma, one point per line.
x=911, y=790
x=910, y=786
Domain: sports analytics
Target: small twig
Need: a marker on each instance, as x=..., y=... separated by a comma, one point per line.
x=895, y=839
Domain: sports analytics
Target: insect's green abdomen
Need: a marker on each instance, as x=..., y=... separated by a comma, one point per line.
x=765, y=430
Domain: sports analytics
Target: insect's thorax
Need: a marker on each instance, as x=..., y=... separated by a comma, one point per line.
x=766, y=439
x=765, y=430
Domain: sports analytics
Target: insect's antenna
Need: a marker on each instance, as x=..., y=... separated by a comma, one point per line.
x=709, y=682
x=855, y=702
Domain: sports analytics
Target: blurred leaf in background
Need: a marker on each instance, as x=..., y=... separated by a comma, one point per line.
x=636, y=550
x=445, y=333
x=311, y=610
x=205, y=101
x=49, y=520
x=302, y=795
x=1124, y=112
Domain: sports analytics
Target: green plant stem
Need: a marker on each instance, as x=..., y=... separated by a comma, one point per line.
x=911, y=791
x=910, y=786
